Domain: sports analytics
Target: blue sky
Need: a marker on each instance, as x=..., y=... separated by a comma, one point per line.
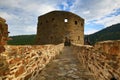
x=21, y=15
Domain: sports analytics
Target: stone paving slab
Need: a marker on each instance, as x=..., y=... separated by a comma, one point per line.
x=65, y=67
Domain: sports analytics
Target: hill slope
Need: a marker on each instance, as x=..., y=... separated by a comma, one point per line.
x=109, y=33
x=22, y=40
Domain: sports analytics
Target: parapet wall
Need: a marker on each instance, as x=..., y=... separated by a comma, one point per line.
x=109, y=47
x=103, y=66
x=26, y=62
x=3, y=32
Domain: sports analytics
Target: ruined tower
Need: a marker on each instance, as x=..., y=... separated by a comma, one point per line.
x=55, y=26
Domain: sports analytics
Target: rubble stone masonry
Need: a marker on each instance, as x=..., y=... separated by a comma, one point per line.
x=26, y=62
x=103, y=60
x=109, y=47
x=3, y=31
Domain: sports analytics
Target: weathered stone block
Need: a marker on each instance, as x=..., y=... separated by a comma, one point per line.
x=14, y=61
x=28, y=76
x=20, y=71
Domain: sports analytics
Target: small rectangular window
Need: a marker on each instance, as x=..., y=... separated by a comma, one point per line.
x=41, y=23
x=78, y=37
x=46, y=21
x=65, y=20
x=53, y=19
x=81, y=24
x=51, y=39
x=75, y=22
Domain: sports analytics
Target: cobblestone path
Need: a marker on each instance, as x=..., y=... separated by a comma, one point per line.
x=65, y=67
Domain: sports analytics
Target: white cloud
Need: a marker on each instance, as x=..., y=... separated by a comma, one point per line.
x=5, y=15
x=30, y=29
x=90, y=31
x=10, y=3
x=31, y=6
x=108, y=21
x=31, y=9
x=96, y=11
x=22, y=30
x=96, y=8
x=86, y=12
x=45, y=8
x=25, y=20
x=65, y=5
x=10, y=18
x=39, y=9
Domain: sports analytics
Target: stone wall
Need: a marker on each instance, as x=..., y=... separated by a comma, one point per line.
x=3, y=31
x=26, y=62
x=53, y=27
x=103, y=66
x=109, y=47
x=3, y=34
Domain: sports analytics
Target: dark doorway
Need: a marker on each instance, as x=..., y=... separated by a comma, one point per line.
x=67, y=42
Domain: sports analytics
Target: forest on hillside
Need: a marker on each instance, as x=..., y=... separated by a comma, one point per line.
x=109, y=33
x=22, y=40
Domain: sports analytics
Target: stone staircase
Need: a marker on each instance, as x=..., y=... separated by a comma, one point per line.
x=65, y=67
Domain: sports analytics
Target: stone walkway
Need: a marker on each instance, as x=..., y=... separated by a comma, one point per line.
x=65, y=67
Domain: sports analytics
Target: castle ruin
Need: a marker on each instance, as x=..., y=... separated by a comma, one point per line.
x=55, y=26
x=98, y=62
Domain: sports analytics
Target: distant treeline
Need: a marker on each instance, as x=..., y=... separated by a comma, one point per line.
x=109, y=33
x=22, y=40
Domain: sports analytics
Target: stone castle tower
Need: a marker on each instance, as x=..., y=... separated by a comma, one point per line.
x=55, y=26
